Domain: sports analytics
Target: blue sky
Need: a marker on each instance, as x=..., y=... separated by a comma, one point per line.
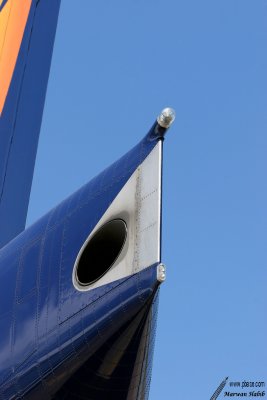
x=115, y=66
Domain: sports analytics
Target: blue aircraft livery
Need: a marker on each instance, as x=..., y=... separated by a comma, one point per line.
x=27, y=31
x=79, y=288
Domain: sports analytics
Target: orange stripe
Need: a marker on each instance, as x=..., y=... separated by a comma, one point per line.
x=13, y=19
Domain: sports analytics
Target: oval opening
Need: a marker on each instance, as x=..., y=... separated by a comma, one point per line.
x=101, y=252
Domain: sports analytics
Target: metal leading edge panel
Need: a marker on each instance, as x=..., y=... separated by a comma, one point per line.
x=139, y=205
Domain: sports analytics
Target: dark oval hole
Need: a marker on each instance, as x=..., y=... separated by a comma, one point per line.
x=101, y=252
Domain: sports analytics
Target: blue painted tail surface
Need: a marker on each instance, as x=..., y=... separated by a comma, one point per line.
x=27, y=32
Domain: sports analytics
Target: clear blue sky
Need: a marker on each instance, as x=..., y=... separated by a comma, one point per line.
x=116, y=65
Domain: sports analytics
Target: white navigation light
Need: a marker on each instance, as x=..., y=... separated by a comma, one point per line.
x=166, y=117
x=161, y=273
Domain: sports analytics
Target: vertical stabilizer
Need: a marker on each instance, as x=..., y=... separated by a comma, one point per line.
x=27, y=32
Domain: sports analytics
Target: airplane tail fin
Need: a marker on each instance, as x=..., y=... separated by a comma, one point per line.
x=27, y=32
